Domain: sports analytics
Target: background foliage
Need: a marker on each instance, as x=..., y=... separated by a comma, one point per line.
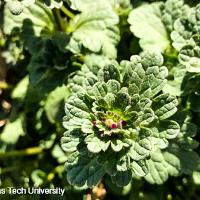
x=50, y=48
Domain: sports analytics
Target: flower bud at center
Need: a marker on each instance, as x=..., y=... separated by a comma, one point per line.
x=110, y=123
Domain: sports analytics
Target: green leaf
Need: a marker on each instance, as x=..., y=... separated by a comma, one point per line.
x=42, y=80
x=72, y=159
x=86, y=171
x=95, y=145
x=122, y=178
x=54, y=102
x=117, y=145
x=13, y=129
x=188, y=159
x=139, y=168
x=149, y=59
x=15, y=7
x=148, y=116
x=160, y=166
x=122, y=100
x=140, y=150
x=123, y=163
x=174, y=87
x=196, y=177
x=170, y=129
x=109, y=72
x=143, y=76
x=95, y=31
x=119, y=191
x=81, y=5
x=190, y=55
x=20, y=90
x=134, y=75
x=40, y=17
x=76, y=107
x=186, y=27
x=144, y=103
x=70, y=140
x=164, y=106
x=59, y=154
x=78, y=115
x=174, y=160
x=146, y=23
x=156, y=78
x=87, y=126
x=99, y=90
x=173, y=163
x=61, y=41
x=84, y=5
x=160, y=143
x=108, y=160
x=173, y=10
x=113, y=86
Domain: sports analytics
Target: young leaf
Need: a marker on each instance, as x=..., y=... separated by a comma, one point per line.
x=95, y=31
x=190, y=55
x=146, y=24
x=31, y=16
x=86, y=171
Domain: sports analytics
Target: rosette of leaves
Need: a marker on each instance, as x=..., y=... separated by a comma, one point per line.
x=116, y=120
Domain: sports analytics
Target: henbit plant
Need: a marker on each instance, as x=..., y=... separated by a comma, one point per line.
x=121, y=119
x=159, y=17
x=174, y=29
x=117, y=121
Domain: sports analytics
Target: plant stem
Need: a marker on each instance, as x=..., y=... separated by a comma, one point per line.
x=67, y=12
x=26, y=152
x=8, y=169
x=59, y=19
x=56, y=170
x=52, y=174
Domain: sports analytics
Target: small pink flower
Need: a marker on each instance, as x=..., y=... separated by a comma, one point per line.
x=94, y=123
x=123, y=123
x=114, y=125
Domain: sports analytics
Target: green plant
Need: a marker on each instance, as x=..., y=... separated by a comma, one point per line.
x=125, y=76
